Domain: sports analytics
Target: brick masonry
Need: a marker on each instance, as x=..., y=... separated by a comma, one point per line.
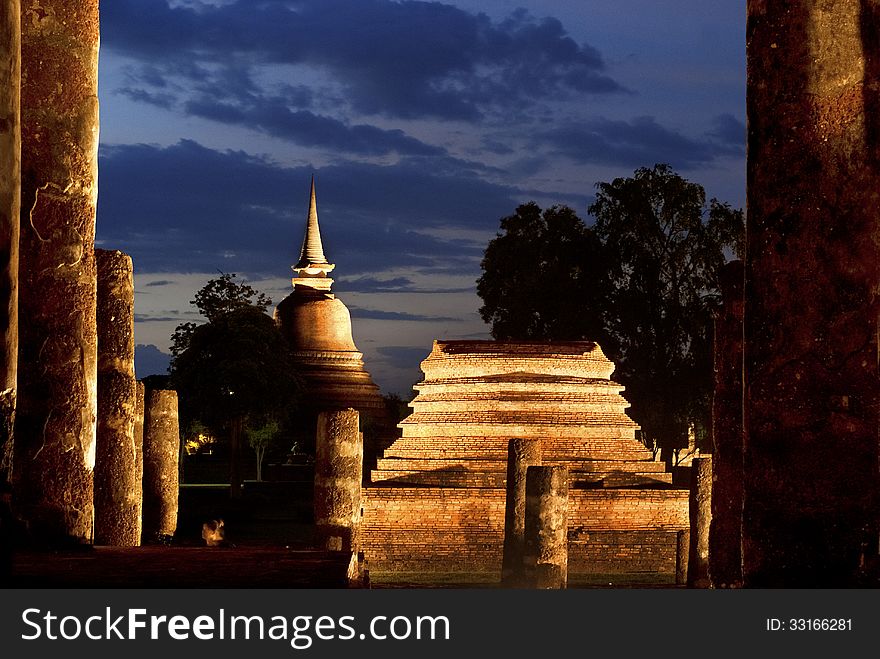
x=437, y=498
x=438, y=529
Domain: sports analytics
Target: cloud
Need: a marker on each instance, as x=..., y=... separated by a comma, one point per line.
x=397, y=59
x=729, y=130
x=275, y=118
x=187, y=208
x=164, y=101
x=404, y=357
x=144, y=318
x=149, y=360
x=160, y=282
x=373, y=285
x=377, y=314
x=636, y=143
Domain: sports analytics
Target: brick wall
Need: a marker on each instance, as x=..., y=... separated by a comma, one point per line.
x=430, y=529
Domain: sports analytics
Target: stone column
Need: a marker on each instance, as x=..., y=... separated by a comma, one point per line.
x=725, y=532
x=700, y=518
x=116, y=490
x=139, y=457
x=682, y=552
x=545, y=560
x=161, y=454
x=521, y=454
x=54, y=455
x=812, y=269
x=338, y=465
x=10, y=199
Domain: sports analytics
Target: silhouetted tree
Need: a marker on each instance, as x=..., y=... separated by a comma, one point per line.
x=233, y=368
x=655, y=252
x=539, y=274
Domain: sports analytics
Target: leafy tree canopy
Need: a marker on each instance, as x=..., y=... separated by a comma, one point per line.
x=642, y=281
x=224, y=294
x=216, y=298
x=236, y=368
x=533, y=271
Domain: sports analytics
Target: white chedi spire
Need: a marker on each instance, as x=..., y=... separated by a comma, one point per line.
x=312, y=268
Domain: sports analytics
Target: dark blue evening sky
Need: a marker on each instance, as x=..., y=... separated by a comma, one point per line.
x=423, y=122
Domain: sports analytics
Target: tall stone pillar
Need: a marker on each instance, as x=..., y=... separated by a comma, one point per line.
x=338, y=465
x=700, y=518
x=139, y=457
x=54, y=454
x=521, y=454
x=725, y=533
x=117, y=495
x=10, y=201
x=545, y=560
x=161, y=455
x=811, y=285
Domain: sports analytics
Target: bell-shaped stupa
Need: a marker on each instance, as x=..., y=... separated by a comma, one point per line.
x=318, y=326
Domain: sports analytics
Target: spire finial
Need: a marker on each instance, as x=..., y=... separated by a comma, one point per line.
x=312, y=252
x=312, y=267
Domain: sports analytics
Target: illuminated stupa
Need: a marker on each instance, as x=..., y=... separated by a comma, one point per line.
x=318, y=326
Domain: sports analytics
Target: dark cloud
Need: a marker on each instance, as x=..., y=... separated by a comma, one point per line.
x=405, y=357
x=164, y=101
x=729, y=130
x=144, y=318
x=393, y=285
x=400, y=59
x=274, y=117
x=186, y=208
x=636, y=143
x=377, y=314
x=160, y=282
x=373, y=285
x=149, y=360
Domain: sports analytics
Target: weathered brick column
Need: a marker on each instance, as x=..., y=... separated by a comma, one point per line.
x=811, y=284
x=725, y=532
x=10, y=200
x=701, y=518
x=54, y=454
x=682, y=552
x=545, y=560
x=117, y=492
x=521, y=454
x=338, y=466
x=161, y=456
x=139, y=456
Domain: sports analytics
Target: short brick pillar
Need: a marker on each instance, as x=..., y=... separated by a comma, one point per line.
x=521, y=454
x=545, y=560
x=117, y=492
x=701, y=518
x=161, y=459
x=338, y=467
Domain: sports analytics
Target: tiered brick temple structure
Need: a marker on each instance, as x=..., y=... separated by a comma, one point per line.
x=436, y=500
x=318, y=326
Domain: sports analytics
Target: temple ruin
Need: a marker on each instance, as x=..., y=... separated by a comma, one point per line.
x=436, y=501
x=318, y=327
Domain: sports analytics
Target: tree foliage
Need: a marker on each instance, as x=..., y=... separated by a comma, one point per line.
x=260, y=437
x=215, y=299
x=532, y=271
x=222, y=295
x=653, y=257
x=234, y=369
